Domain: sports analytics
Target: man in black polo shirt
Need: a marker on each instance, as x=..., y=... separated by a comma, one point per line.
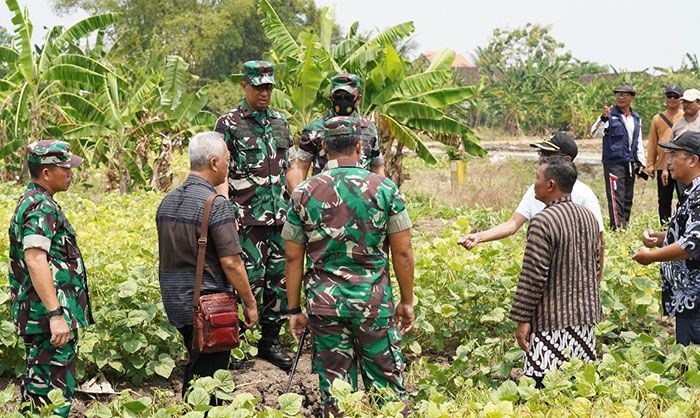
x=179, y=220
x=679, y=251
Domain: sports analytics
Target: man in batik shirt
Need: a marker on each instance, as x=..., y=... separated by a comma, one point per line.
x=680, y=245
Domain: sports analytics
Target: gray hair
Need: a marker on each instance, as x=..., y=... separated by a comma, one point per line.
x=205, y=146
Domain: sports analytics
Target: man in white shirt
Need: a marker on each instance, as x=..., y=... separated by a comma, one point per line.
x=559, y=144
x=623, y=153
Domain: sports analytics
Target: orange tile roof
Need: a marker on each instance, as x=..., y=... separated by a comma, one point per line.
x=460, y=60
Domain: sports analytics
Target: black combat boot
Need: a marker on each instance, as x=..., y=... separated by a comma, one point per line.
x=269, y=347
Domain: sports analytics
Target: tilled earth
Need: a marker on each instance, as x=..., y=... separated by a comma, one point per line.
x=268, y=382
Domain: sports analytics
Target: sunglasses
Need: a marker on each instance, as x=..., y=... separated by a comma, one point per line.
x=545, y=153
x=264, y=87
x=673, y=96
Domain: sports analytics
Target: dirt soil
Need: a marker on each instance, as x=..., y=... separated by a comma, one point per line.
x=257, y=377
x=589, y=145
x=268, y=382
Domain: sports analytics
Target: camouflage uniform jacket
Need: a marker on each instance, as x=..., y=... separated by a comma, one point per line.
x=260, y=143
x=344, y=215
x=311, y=149
x=39, y=222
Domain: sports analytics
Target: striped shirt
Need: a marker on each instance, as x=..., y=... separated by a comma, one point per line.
x=558, y=285
x=179, y=220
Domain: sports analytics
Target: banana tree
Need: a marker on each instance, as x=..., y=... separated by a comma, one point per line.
x=133, y=107
x=28, y=93
x=110, y=121
x=403, y=104
x=184, y=115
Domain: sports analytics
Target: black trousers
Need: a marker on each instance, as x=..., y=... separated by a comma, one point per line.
x=688, y=327
x=665, y=194
x=200, y=364
x=619, y=188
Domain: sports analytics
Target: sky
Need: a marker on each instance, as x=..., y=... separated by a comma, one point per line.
x=629, y=35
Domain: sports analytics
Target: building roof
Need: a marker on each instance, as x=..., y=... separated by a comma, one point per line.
x=460, y=60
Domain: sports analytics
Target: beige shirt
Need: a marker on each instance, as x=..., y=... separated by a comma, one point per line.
x=684, y=126
x=659, y=131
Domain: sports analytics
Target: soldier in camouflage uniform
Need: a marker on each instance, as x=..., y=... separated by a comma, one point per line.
x=345, y=96
x=261, y=148
x=346, y=220
x=47, y=277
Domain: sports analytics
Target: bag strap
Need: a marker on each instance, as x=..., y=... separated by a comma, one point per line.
x=202, y=249
x=668, y=122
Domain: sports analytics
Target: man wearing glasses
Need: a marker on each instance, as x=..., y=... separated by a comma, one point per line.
x=559, y=144
x=679, y=246
x=623, y=153
x=690, y=121
x=261, y=148
x=661, y=130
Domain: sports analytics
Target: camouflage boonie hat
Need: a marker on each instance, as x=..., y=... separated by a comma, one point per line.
x=51, y=151
x=341, y=126
x=346, y=82
x=257, y=73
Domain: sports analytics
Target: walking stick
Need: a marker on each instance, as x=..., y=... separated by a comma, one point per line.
x=296, y=359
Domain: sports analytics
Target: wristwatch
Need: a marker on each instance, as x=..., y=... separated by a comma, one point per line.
x=293, y=311
x=56, y=312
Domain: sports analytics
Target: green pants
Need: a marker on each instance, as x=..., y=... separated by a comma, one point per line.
x=340, y=344
x=49, y=367
x=264, y=257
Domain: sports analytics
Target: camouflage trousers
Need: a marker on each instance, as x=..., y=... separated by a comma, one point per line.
x=264, y=257
x=49, y=367
x=342, y=344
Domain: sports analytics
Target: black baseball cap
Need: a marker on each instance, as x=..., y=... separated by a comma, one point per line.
x=674, y=89
x=625, y=88
x=687, y=141
x=560, y=142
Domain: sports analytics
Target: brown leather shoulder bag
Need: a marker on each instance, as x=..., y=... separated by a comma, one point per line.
x=215, y=323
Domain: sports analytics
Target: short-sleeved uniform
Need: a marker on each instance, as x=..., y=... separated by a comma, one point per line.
x=260, y=144
x=343, y=216
x=39, y=222
x=311, y=148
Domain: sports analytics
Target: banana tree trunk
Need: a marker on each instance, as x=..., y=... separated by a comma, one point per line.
x=111, y=175
x=393, y=153
x=123, y=172
x=162, y=168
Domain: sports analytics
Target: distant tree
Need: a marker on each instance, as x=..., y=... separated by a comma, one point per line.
x=524, y=46
x=587, y=67
x=215, y=36
x=5, y=37
x=5, y=40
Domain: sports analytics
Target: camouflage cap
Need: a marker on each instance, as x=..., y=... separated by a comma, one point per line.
x=341, y=126
x=346, y=82
x=51, y=151
x=257, y=73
